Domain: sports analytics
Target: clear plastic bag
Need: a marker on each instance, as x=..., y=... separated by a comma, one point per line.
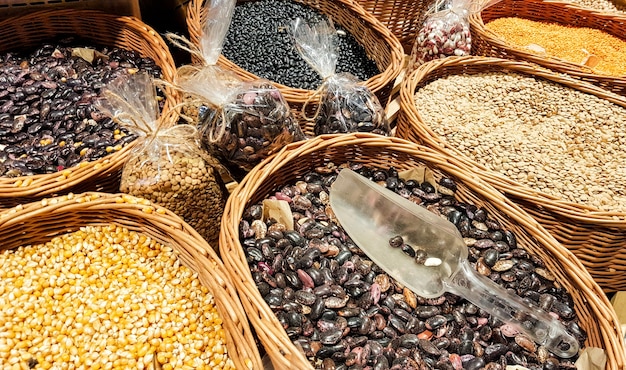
x=248, y=122
x=445, y=32
x=344, y=105
x=167, y=165
x=245, y=121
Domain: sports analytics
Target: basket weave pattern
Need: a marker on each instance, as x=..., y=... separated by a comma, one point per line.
x=595, y=237
x=597, y=316
x=102, y=29
x=400, y=16
x=379, y=43
x=39, y=222
x=487, y=43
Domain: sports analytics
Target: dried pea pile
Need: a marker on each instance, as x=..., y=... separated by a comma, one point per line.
x=565, y=42
x=105, y=298
x=554, y=139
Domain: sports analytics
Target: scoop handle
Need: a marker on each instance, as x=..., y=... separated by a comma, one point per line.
x=511, y=309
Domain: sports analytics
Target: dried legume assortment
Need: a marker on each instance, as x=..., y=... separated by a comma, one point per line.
x=566, y=42
x=345, y=312
x=558, y=140
x=47, y=118
x=104, y=297
x=259, y=41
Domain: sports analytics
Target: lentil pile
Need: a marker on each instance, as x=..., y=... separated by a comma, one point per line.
x=347, y=313
x=47, y=118
x=105, y=298
x=606, y=5
x=565, y=42
x=260, y=41
x=558, y=140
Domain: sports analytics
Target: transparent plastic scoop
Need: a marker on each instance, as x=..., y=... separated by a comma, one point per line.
x=371, y=215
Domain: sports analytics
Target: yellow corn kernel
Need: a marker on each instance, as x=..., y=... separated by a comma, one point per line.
x=107, y=308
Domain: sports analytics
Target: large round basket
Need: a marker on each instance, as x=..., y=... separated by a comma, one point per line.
x=591, y=305
x=488, y=43
x=401, y=17
x=380, y=45
x=100, y=28
x=39, y=222
x=596, y=237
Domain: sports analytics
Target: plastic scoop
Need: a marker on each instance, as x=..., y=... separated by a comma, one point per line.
x=371, y=215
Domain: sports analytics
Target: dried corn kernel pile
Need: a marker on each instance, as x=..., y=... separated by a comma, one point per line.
x=105, y=298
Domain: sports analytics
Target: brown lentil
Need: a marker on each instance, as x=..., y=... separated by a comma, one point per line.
x=606, y=5
x=104, y=297
x=177, y=174
x=554, y=139
x=565, y=42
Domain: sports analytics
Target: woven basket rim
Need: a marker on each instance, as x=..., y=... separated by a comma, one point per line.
x=579, y=212
x=478, y=27
x=277, y=339
x=47, y=184
x=296, y=95
x=241, y=346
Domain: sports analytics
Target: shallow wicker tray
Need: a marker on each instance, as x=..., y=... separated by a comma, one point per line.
x=400, y=16
x=380, y=44
x=488, y=43
x=593, y=308
x=597, y=238
x=32, y=30
x=40, y=221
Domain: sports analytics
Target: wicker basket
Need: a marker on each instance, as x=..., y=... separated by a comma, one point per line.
x=380, y=44
x=487, y=43
x=592, y=306
x=13, y=8
x=401, y=17
x=39, y=222
x=102, y=29
x=597, y=238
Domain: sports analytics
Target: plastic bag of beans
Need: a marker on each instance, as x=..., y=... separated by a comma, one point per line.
x=167, y=165
x=344, y=105
x=245, y=121
x=445, y=32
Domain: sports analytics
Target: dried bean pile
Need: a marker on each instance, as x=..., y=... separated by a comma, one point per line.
x=105, y=297
x=47, y=118
x=346, y=313
x=260, y=41
x=555, y=139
